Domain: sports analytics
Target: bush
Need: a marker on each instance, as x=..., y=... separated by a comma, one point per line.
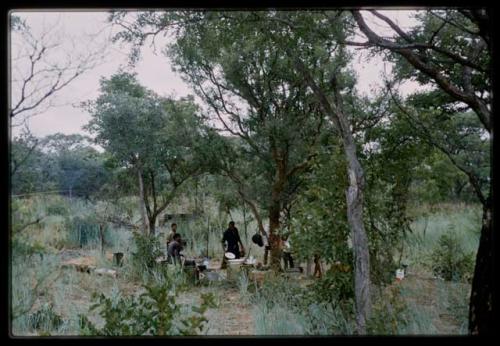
x=147, y=249
x=336, y=286
x=449, y=260
x=154, y=312
x=27, y=250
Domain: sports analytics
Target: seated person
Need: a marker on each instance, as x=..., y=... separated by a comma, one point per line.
x=173, y=231
x=174, y=249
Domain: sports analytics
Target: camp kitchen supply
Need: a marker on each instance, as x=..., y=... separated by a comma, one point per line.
x=230, y=255
x=400, y=274
x=257, y=239
x=233, y=268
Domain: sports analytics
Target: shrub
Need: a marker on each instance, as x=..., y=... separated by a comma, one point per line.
x=27, y=250
x=449, y=260
x=147, y=249
x=336, y=286
x=154, y=312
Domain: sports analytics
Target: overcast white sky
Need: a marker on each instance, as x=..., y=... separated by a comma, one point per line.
x=154, y=70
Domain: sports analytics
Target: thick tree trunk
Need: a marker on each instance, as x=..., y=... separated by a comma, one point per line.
x=274, y=240
x=481, y=299
x=142, y=205
x=354, y=196
x=152, y=224
x=275, y=211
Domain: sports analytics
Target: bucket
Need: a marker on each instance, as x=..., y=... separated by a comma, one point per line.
x=233, y=267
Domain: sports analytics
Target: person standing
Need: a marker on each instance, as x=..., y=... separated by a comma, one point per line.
x=172, y=233
x=287, y=252
x=231, y=239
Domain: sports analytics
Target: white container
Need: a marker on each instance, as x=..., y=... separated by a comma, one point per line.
x=229, y=255
x=400, y=274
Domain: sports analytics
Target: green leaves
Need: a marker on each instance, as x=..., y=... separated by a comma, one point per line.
x=449, y=260
x=154, y=312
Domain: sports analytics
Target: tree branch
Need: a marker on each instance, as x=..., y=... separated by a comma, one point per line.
x=446, y=85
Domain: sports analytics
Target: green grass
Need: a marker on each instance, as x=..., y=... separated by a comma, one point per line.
x=463, y=220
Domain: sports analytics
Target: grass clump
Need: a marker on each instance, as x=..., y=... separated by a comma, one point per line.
x=45, y=319
x=283, y=307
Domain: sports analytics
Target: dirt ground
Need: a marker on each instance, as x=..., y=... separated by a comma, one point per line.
x=234, y=315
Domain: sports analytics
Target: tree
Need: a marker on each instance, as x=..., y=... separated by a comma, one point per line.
x=153, y=136
x=226, y=57
x=258, y=101
x=32, y=169
x=82, y=169
x=332, y=86
x=450, y=51
x=41, y=67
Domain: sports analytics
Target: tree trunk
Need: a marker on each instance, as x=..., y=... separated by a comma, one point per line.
x=245, y=222
x=101, y=237
x=354, y=196
x=152, y=224
x=481, y=299
x=142, y=205
x=274, y=240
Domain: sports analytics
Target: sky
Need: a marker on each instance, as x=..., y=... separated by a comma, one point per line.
x=82, y=31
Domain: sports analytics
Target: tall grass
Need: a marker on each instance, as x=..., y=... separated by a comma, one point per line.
x=280, y=309
x=31, y=281
x=463, y=220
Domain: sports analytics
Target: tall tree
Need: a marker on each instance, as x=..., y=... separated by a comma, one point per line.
x=256, y=98
x=321, y=60
x=450, y=52
x=279, y=76
x=153, y=136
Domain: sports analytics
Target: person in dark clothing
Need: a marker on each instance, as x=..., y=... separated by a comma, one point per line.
x=174, y=249
x=232, y=238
